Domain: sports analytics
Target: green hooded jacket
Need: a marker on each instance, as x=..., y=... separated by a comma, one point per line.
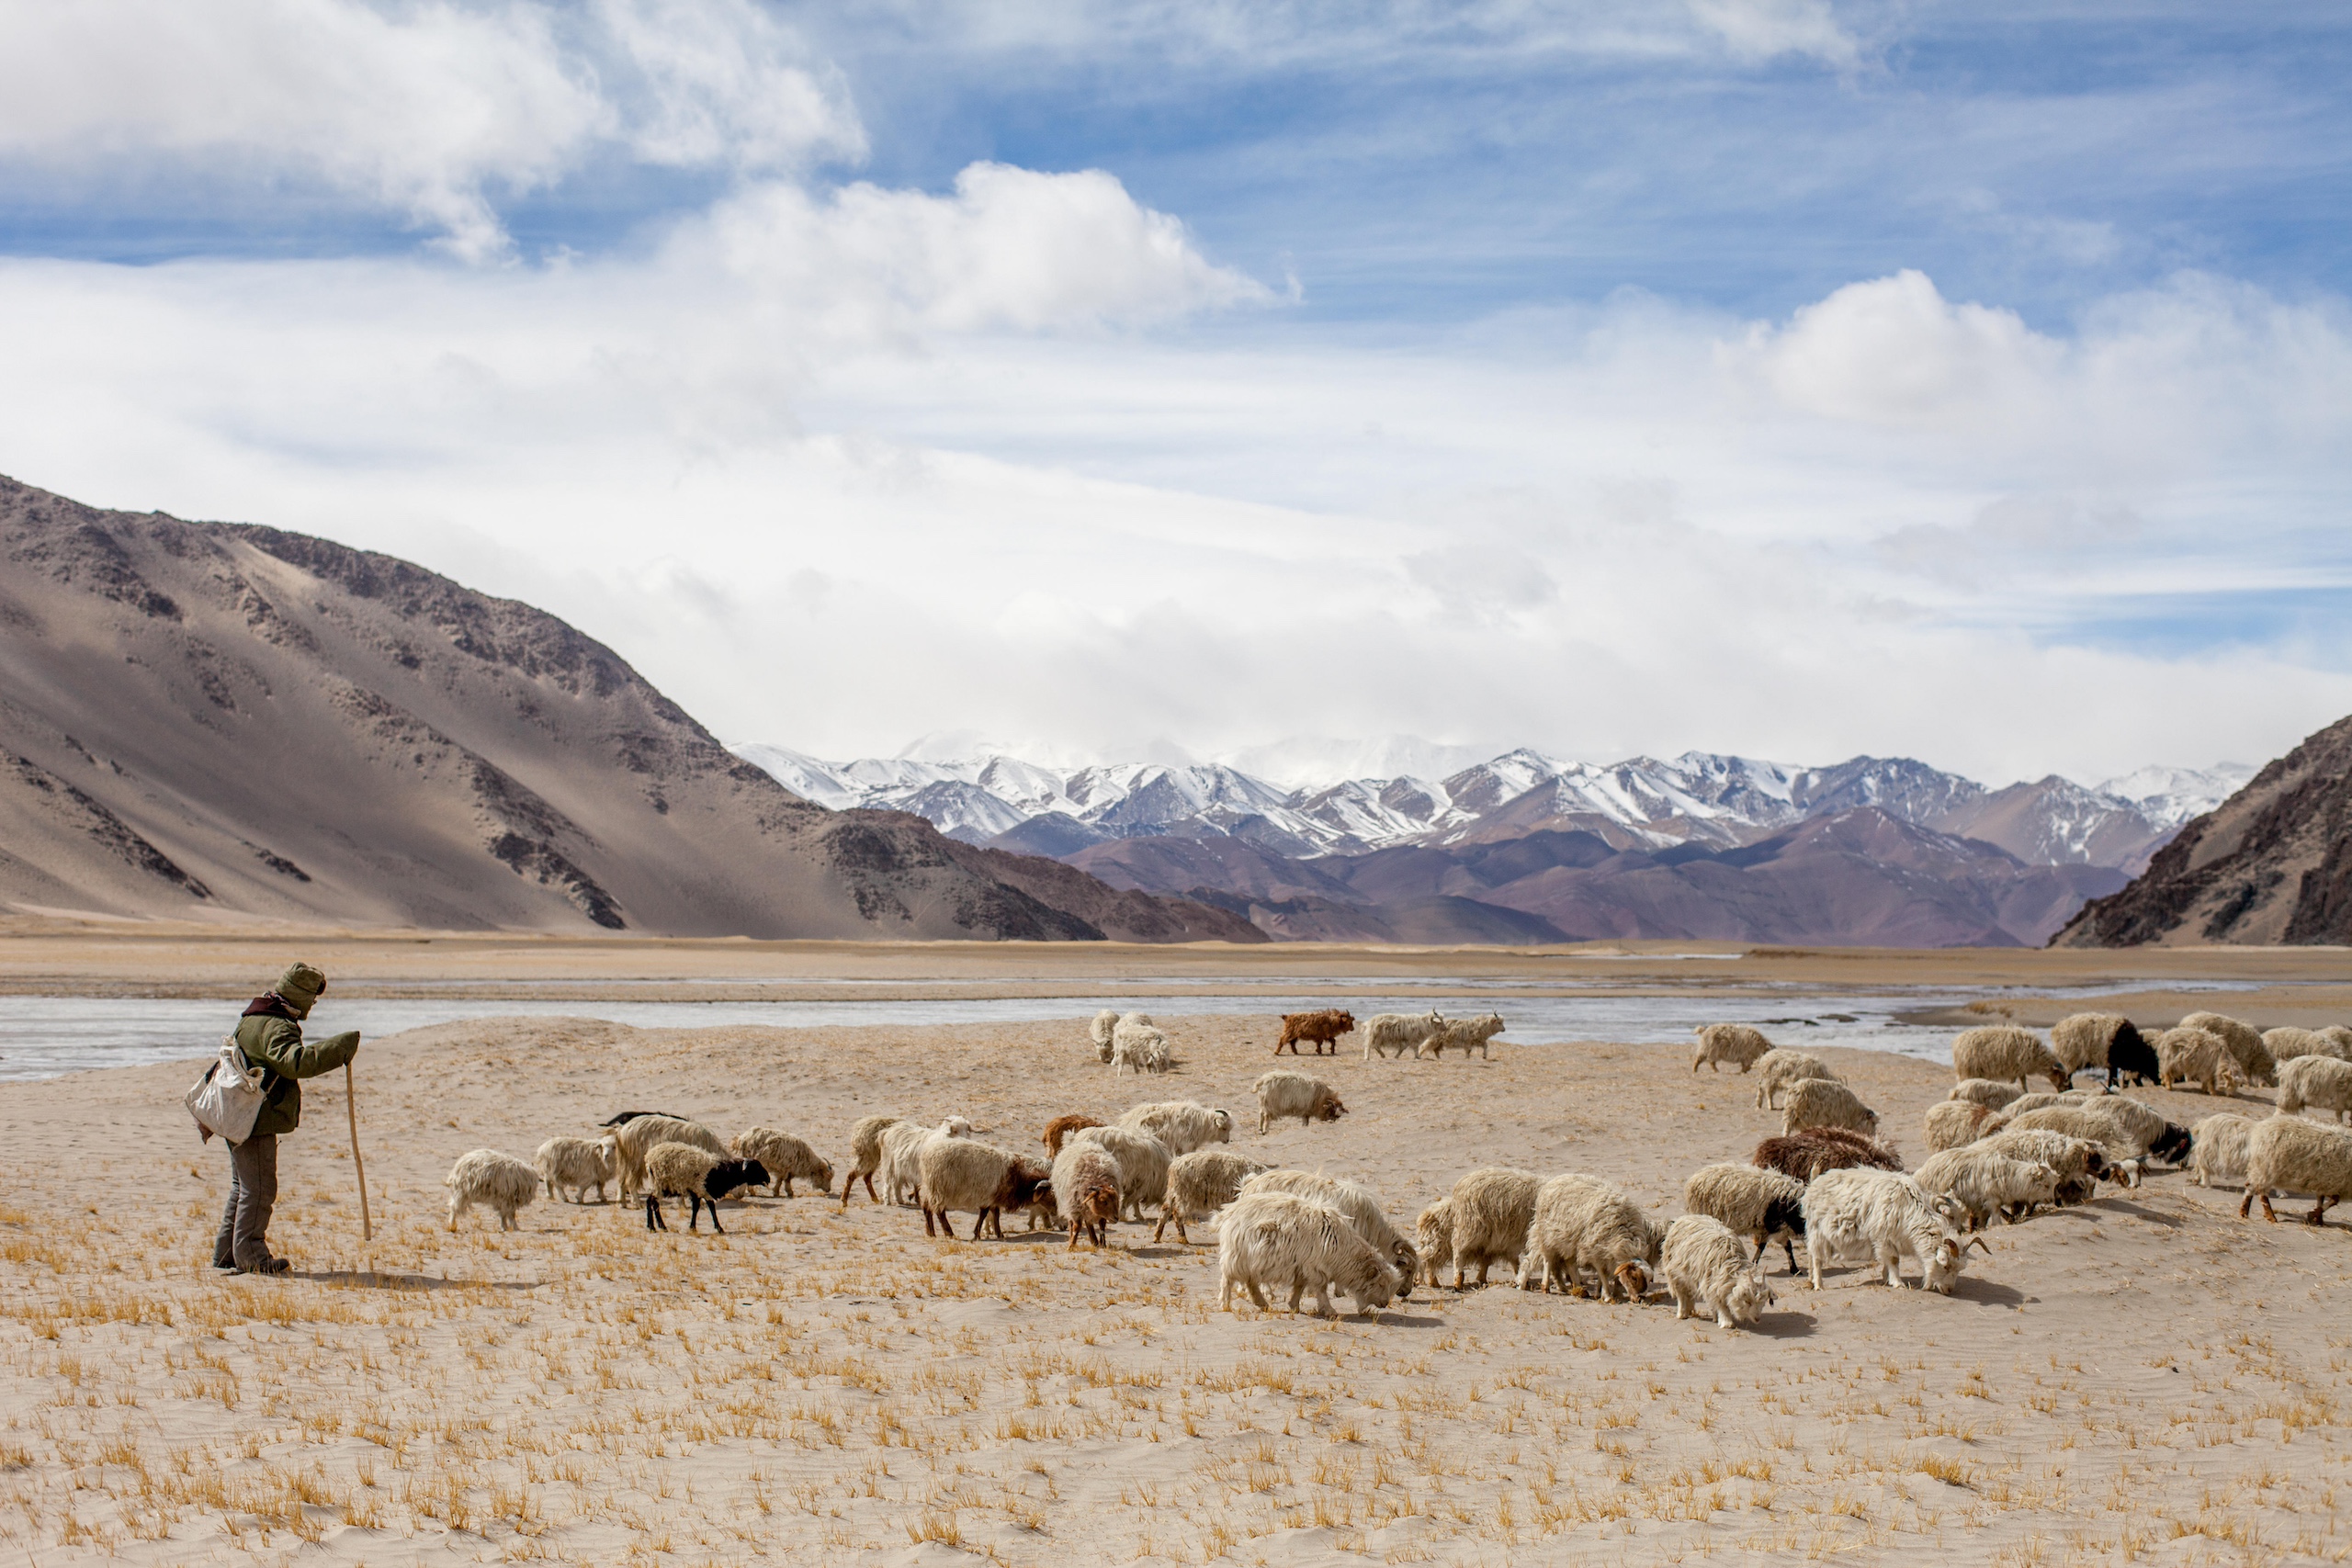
x=276, y=1044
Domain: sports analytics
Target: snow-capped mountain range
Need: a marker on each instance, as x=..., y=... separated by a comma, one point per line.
x=1642, y=803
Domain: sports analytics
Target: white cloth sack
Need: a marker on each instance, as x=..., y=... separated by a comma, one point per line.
x=228, y=1099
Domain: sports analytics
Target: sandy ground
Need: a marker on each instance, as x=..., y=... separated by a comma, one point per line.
x=2145, y=1378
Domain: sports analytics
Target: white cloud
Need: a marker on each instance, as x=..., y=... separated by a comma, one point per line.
x=1761, y=30
x=837, y=468
x=430, y=111
x=1010, y=249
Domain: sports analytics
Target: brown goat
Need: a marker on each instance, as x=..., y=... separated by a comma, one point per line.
x=1807, y=1154
x=1317, y=1029
x=1061, y=1127
x=1093, y=1207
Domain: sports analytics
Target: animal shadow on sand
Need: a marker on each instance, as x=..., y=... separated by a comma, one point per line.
x=375, y=1280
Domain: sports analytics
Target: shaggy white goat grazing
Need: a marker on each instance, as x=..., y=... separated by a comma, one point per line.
x=2244, y=1042
x=1199, y=1184
x=636, y=1138
x=1142, y=1160
x=1433, y=1239
x=2287, y=1153
x=1708, y=1270
x=1138, y=1046
x=500, y=1183
x=2315, y=1083
x=1105, y=1024
x=574, y=1164
x=1882, y=1216
x=1086, y=1191
x=1284, y=1093
x=1777, y=1069
x=1584, y=1223
x=2080, y=1163
x=1358, y=1204
x=1988, y=1182
x=963, y=1176
x=1984, y=1091
x=2198, y=1055
x=2117, y=1125
x=1825, y=1102
x=2005, y=1053
x=1403, y=1033
x=1758, y=1204
x=2287, y=1043
x=1466, y=1034
x=1952, y=1123
x=2221, y=1148
x=865, y=1153
x=1734, y=1043
x=1492, y=1209
x=785, y=1157
x=1273, y=1239
x=902, y=1145
x=1182, y=1125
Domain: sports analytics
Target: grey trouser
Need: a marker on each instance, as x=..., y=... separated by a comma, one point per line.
x=244, y=1240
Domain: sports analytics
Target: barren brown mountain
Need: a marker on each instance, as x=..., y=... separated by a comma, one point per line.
x=2272, y=864
x=212, y=718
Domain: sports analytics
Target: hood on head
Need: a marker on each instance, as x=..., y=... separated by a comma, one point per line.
x=300, y=986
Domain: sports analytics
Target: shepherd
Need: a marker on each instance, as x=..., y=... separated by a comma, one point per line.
x=270, y=1034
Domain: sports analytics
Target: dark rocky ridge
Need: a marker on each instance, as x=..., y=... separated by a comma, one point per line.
x=230, y=720
x=2272, y=864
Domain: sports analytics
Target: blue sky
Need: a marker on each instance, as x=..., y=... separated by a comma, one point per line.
x=1976, y=380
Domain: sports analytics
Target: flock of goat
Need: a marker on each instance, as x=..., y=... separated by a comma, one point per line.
x=1826, y=1180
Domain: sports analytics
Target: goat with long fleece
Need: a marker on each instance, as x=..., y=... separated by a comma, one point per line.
x=1827, y=1102
x=636, y=1138
x=965, y=1176
x=1360, y=1206
x=902, y=1146
x=1433, y=1239
x=1201, y=1183
x=1464, y=1033
x=1708, y=1270
x=2290, y=1153
x=575, y=1164
x=1777, y=1070
x=499, y=1183
x=1182, y=1125
x=1719, y=1043
x=1882, y=1216
x=1284, y=1093
x=2244, y=1042
x=2221, y=1148
x=1101, y=1030
x=1086, y=1191
x=1493, y=1206
x=1988, y=1182
x=784, y=1156
x=2006, y=1052
x=1403, y=1033
x=1138, y=1045
x=701, y=1177
x=1142, y=1160
x=1807, y=1154
x=1758, y=1204
x=1273, y=1239
x=865, y=1153
x=1585, y=1223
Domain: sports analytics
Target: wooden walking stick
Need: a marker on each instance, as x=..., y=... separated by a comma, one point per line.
x=351, y=1108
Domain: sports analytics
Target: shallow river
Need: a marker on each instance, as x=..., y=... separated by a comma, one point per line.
x=44, y=1036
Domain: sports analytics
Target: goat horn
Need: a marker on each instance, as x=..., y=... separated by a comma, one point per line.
x=1978, y=1241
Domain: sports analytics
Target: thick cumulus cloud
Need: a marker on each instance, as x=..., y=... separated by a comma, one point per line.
x=433, y=111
